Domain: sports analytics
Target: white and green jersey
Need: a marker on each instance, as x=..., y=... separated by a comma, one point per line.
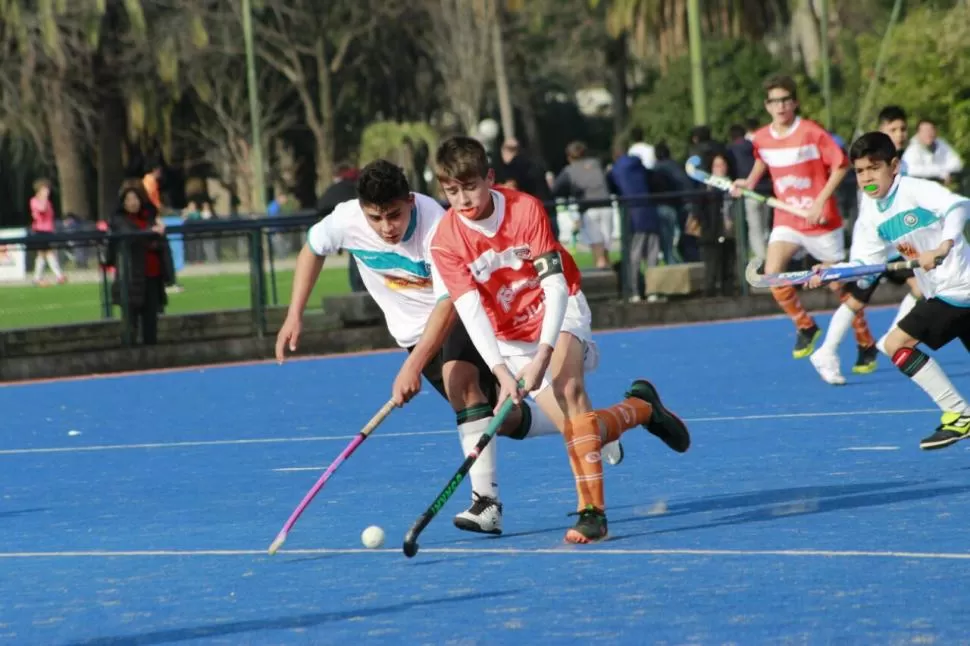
x=916, y=216
x=397, y=276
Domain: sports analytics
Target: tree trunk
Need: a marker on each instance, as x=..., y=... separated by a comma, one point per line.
x=806, y=39
x=111, y=167
x=67, y=153
x=616, y=61
x=325, y=134
x=501, y=73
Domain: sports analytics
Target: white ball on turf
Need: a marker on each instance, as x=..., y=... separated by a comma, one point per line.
x=373, y=537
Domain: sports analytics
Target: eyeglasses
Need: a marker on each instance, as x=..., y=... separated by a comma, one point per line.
x=779, y=100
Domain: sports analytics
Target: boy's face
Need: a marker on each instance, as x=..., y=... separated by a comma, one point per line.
x=875, y=177
x=781, y=105
x=470, y=198
x=389, y=221
x=897, y=130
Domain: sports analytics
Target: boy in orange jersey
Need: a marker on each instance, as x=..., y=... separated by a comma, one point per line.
x=518, y=294
x=806, y=166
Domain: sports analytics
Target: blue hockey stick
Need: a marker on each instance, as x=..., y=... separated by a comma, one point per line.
x=828, y=274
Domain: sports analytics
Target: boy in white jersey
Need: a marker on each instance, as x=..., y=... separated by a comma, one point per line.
x=921, y=220
x=387, y=231
x=892, y=122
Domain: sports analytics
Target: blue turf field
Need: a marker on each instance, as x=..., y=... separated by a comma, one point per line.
x=803, y=514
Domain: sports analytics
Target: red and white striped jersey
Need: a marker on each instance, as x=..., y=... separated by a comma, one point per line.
x=800, y=164
x=495, y=258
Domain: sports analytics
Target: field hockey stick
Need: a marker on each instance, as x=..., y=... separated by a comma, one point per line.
x=346, y=453
x=724, y=184
x=827, y=274
x=411, y=538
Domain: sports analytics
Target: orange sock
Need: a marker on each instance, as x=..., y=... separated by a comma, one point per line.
x=863, y=336
x=787, y=298
x=619, y=418
x=583, y=443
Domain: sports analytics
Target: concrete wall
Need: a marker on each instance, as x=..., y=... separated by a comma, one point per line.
x=345, y=324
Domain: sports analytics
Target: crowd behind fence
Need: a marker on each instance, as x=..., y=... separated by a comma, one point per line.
x=702, y=226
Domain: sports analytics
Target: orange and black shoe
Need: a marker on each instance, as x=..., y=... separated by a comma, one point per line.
x=590, y=528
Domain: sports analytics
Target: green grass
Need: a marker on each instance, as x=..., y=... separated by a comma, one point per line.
x=30, y=306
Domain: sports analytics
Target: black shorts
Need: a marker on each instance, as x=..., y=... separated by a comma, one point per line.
x=935, y=323
x=459, y=347
x=862, y=290
x=39, y=241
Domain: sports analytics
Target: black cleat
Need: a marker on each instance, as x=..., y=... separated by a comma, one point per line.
x=664, y=424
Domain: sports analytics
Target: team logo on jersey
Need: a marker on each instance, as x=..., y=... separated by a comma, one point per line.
x=491, y=261
x=907, y=250
x=910, y=220
x=400, y=283
x=507, y=293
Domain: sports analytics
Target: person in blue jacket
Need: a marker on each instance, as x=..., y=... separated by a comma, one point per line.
x=628, y=178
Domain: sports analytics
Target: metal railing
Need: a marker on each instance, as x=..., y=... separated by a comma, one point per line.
x=255, y=242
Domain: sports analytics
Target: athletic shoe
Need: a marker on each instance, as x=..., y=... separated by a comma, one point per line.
x=868, y=360
x=662, y=423
x=484, y=516
x=805, y=341
x=953, y=428
x=590, y=527
x=828, y=368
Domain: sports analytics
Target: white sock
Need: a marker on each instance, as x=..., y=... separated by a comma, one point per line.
x=483, y=472
x=55, y=265
x=838, y=327
x=541, y=424
x=908, y=302
x=40, y=262
x=931, y=378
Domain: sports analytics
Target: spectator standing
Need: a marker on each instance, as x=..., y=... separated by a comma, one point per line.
x=584, y=179
x=929, y=157
x=629, y=178
x=42, y=227
x=756, y=212
x=149, y=267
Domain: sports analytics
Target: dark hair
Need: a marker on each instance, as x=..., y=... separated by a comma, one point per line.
x=700, y=134
x=661, y=150
x=381, y=183
x=892, y=113
x=877, y=146
x=737, y=131
x=707, y=161
x=147, y=208
x=636, y=134
x=575, y=150
x=461, y=158
x=781, y=82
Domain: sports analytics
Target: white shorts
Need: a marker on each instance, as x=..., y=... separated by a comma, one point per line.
x=579, y=323
x=597, y=226
x=826, y=247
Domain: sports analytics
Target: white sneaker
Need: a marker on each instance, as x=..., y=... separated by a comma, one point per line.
x=484, y=516
x=612, y=453
x=827, y=365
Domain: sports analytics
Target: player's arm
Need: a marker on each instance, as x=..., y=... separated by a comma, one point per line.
x=757, y=172
x=457, y=281
x=324, y=238
x=953, y=209
x=838, y=164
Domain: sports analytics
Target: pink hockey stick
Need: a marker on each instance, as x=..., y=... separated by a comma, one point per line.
x=346, y=453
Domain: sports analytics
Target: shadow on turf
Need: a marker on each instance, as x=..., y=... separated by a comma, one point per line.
x=827, y=496
x=277, y=623
x=21, y=512
x=808, y=506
